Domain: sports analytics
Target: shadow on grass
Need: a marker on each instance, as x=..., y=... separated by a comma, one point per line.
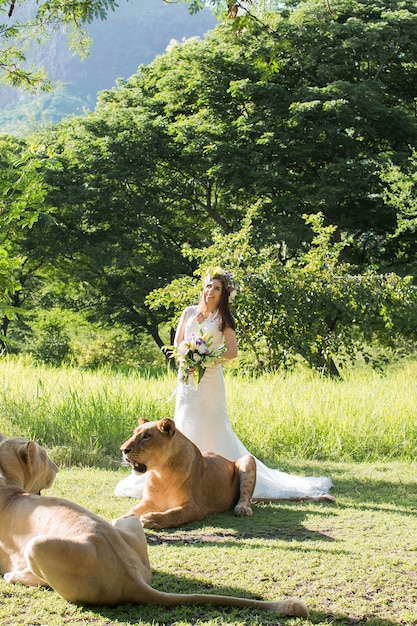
x=194, y=613
x=269, y=522
x=190, y=613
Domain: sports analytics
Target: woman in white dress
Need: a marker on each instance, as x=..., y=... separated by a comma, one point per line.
x=200, y=410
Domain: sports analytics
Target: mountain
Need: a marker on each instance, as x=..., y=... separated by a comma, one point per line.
x=133, y=35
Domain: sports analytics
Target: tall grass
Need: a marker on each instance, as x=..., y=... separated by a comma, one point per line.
x=82, y=417
x=365, y=416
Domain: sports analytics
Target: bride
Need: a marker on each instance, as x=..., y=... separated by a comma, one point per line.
x=200, y=410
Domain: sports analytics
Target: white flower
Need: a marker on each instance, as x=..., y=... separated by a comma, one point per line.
x=194, y=355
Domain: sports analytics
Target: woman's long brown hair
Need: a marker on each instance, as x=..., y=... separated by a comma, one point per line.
x=226, y=318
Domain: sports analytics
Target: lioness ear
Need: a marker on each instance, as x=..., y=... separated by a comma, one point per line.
x=27, y=452
x=142, y=420
x=167, y=426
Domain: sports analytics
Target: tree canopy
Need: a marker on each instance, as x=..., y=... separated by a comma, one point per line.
x=278, y=143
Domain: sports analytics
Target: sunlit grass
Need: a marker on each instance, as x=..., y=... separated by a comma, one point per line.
x=364, y=416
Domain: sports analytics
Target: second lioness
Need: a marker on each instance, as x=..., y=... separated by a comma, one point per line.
x=182, y=484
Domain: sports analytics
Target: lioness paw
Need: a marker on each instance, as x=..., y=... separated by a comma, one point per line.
x=240, y=511
x=150, y=520
x=292, y=606
x=23, y=577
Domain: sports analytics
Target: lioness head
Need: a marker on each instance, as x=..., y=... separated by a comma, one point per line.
x=149, y=445
x=25, y=464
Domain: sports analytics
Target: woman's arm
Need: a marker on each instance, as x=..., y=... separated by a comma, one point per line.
x=179, y=335
x=230, y=342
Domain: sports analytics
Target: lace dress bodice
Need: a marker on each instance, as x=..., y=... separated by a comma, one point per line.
x=210, y=325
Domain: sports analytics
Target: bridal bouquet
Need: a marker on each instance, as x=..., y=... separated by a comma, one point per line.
x=195, y=354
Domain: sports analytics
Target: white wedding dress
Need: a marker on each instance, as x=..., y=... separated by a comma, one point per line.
x=201, y=415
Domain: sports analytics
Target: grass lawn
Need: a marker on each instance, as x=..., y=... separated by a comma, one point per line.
x=353, y=561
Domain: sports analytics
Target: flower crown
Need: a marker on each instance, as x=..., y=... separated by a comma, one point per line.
x=225, y=277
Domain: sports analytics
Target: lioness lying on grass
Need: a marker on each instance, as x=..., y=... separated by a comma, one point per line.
x=182, y=484
x=51, y=541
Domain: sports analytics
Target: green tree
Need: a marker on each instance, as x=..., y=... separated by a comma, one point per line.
x=299, y=118
x=303, y=115
x=52, y=344
x=9, y=287
x=22, y=195
x=110, y=239
x=401, y=193
x=314, y=309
